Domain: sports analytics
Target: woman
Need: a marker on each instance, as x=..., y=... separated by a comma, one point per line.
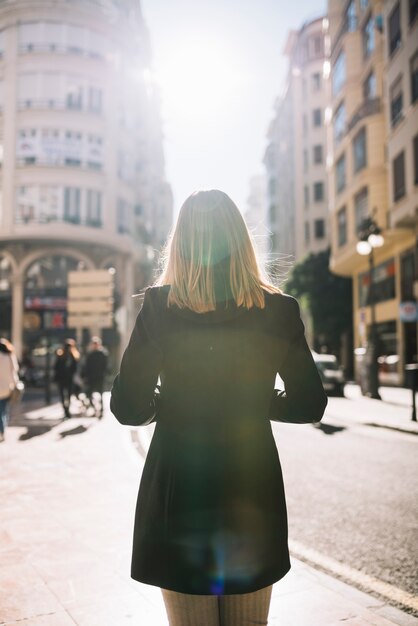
x=9, y=377
x=65, y=368
x=211, y=524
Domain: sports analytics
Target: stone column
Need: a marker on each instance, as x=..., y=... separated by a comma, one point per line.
x=17, y=313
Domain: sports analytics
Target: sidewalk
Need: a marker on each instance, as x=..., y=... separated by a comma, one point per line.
x=393, y=411
x=68, y=498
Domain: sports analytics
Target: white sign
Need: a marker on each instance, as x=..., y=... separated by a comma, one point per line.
x=90, y=299
x=408, y=311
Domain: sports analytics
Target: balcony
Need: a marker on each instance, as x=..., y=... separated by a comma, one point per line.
x=48, y=219
x=367, y=108
x=348, y=25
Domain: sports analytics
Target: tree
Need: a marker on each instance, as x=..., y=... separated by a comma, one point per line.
x=327, y=297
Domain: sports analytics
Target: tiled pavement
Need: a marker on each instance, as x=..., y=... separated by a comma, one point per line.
x=68, y=492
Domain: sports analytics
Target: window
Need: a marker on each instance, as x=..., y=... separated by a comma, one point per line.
x=351, y=17
x=316, y=81
x=360, y=150
x=74, y=97
x=53, y=35
x=368, y=37
x=75, y=39
x=123, y=221
x=318, y=191
x=73, y=148
x=338, y=73
x=317, y=117
x=30, y=36
x=319, y=228
x=339, y=123
x=318, y=154
x=394, y=28
x=94, y=208
x=307, y=232
x=94, y=149
x=407, y=275
x=94, y=100
x=396, y=101
x=415, y=151
x=361, y=207
x=399, y=176
x=384, y=287
x=413, y=11
x=306, y=196
x=316, y=46
x=340, y=179
x=369, y=87
x=305, y=160
x=414, y=77
x=342, y=226
x=72, y=204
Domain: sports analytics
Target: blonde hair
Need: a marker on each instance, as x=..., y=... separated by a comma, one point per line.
x=210, y=240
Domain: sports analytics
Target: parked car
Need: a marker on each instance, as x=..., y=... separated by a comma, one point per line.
x=331, y=373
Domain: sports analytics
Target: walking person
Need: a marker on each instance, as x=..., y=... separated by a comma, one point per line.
x=9, y=377
x=94, y=372
x=211, y=522
x=65, y=367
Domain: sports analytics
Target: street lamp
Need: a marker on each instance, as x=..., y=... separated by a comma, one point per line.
x=370, y=237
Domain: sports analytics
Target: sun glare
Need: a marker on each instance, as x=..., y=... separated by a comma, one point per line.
x=197, y=80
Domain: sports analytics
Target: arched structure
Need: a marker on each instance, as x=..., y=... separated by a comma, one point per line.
x=81, y=141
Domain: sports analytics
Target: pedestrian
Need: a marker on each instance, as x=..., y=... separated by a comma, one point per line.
x=9, y=378
x=65, y=368
x=211, y=522
x=94, y=372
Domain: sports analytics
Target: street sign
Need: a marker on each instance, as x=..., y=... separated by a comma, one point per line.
x=90, y=299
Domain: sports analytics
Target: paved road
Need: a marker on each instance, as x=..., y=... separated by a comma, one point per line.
x=352, y=493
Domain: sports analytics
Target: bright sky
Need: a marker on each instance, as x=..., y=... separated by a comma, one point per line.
x=220, y=66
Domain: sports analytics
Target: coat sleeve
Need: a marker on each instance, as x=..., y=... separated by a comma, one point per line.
x=133, y=397
x=303, y=400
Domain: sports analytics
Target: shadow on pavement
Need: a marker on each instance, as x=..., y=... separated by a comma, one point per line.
x=35, y=431
x=78, y=430
x=328, y=429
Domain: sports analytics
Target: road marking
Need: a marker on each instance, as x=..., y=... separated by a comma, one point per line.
x=390, y=592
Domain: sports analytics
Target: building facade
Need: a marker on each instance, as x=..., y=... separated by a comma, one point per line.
x=364, y=147
x=295, y=158
x=256, y=215
x=82, y=182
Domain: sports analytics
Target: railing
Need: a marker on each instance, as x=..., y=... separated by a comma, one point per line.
x=367, y=108
x=60, y=162
x=55, y=104
x=59, y=49
x=55, y=219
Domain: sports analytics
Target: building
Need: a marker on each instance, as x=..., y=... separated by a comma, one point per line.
x=82, y=182
x=364, y=147
x=256, y=215
x=279, y=164
x=295, y=158
x=401, y=93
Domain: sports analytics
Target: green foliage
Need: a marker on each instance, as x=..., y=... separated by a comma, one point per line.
x=326, y=296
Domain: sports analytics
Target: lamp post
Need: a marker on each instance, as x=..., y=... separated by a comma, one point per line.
x=370, y=237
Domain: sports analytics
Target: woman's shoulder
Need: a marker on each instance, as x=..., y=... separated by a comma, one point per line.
x=281, y=301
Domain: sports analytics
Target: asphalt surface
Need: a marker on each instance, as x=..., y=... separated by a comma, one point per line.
x=352, y=494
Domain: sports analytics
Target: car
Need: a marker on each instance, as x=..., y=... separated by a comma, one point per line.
x=331, y=373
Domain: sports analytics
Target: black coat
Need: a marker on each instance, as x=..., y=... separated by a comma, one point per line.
x=94, y=370
x=211, y=512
